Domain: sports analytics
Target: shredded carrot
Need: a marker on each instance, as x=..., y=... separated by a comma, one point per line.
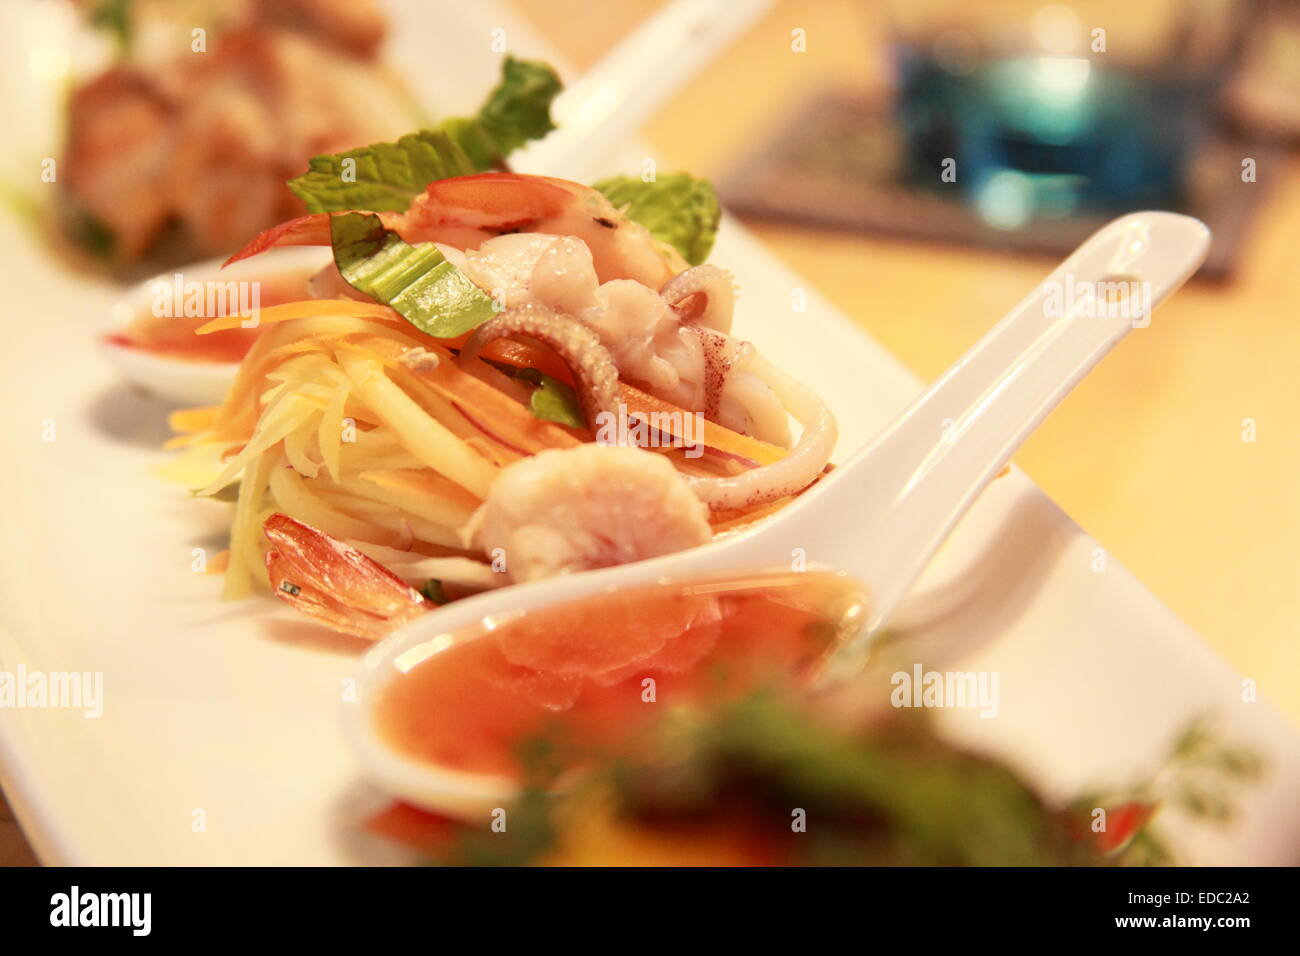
x=511, y=422
x=238, y=414
x=639, y=403
x=643, y=405
x=521, y=355
x=304, y=309
x=420, y=482
x=190, y=420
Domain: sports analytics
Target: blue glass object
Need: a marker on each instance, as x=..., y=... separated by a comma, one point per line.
x=1048, y=136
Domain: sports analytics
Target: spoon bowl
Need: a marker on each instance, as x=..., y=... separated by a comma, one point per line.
x=193, y=381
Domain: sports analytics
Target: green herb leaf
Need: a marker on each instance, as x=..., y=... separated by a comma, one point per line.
x=380, y=177
x=677, y=209
x=552, y=400
x=114, y=17
x=433, y=591
x=519, y=109
x=387, y=176
x=92, y=235
x=516, y=111
x=416, y=281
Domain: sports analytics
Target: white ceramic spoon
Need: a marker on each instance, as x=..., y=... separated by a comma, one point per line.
x=881, y=516
x=606, y=106
x=191, y=381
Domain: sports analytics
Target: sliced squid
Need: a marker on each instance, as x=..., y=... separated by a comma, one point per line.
x=578, y=345
x=705, y=295
x=673, y=342
x=793, y=473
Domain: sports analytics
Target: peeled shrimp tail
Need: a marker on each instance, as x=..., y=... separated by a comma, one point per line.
x=334, y=583
x=792, y=473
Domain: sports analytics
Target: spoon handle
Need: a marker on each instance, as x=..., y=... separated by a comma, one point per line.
x=606, y=106
x=905, y=491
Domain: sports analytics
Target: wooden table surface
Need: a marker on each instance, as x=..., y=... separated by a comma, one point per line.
x=1148, y=454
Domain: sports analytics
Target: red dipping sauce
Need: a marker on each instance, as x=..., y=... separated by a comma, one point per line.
x=592, y=675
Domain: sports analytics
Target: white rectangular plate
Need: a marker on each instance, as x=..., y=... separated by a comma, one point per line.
x=228, y=714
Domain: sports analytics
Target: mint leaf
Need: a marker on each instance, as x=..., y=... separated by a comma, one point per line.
x=516, y=111
x=677, y=209
x=473, y=140
x=417, y=281
x=114, y=17
x=387, y=176
x=552, y=400
x=519, y=109
x=382, y=176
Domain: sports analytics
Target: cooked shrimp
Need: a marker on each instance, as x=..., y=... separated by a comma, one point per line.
x=260, y=103
x=466, y=211
x=207, y=141
x=669, y=336
x=558, y=273
x=672, y=342
x=119, y=145
x=591, y=506
x=334, y=583
x=356, y=26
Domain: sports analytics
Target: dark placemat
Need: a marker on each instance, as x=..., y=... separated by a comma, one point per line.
x=834, y=163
